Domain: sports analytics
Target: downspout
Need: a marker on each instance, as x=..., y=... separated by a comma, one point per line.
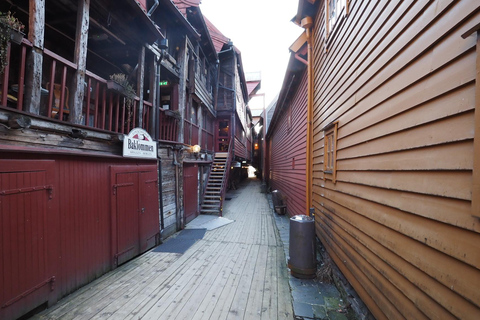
x=234, y=113
x=160, y=195
x=155, y=5
x=307, y=25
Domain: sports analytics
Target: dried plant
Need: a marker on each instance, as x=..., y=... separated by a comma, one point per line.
x=325, y=272
x=7, y=23
x=128, y=90
x=12, y=22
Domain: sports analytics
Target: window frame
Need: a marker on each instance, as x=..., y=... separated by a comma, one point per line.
x=330, y=136
x=344, y=8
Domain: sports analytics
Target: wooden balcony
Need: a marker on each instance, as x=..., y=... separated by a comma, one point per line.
x=168, y=126
x=190, y=132
x=102, y=108
x=207, y=140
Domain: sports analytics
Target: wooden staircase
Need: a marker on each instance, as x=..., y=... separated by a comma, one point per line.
x=216, y=185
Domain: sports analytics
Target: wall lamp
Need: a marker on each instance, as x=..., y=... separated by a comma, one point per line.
x=196, y=150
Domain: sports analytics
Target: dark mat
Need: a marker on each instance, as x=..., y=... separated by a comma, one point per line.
x=182, y=242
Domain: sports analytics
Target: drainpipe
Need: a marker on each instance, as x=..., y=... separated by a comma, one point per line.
x=155, y=5
x=307, y=25
x=160, y=195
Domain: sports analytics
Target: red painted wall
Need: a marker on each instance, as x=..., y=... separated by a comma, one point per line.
x=287, y=149
x=78, y=223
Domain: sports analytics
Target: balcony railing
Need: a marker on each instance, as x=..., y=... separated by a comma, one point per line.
x=207, y=140
x=102, y=108
x=190, y=131
x=168, y=126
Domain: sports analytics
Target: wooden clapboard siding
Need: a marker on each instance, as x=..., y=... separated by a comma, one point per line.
x=400, y=80
x=288, y=160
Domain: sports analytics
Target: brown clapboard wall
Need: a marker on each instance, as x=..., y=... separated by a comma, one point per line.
x=400, y=80
x=287, y=164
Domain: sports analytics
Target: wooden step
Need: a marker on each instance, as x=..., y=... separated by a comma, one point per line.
x=221, y=154
x=210, y=211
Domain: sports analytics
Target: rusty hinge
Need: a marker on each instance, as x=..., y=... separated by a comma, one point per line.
x=115, y=186
x=115, y=258
x=49, y=188
x=51, y=280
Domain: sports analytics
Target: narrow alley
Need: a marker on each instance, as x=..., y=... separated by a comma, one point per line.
x=237, y=271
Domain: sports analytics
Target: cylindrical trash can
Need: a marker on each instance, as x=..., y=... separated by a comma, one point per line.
x=302, y=260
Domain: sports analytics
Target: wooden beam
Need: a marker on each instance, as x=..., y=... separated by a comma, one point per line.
x=81, y=44
x=36, y=35
x=476, y=140
x=140, y=84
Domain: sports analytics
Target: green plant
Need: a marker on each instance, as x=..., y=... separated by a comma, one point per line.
x=7, y=23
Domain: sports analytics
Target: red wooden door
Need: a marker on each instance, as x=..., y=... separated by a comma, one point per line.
x=149, y=211
x=135, y=211
x=28, y=236
x=223, y=135
x=190, y=191
x=127, y=216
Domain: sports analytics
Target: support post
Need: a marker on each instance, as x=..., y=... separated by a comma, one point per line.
x=140, y=84
x=36, y=36
x=81, y=42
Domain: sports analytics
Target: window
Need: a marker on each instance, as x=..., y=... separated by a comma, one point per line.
x=333, y=10
x=330, y=151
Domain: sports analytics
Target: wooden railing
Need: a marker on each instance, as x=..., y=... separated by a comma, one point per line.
x=190, y=132
x=207, y=140
x=168, y=126
x=102, y=108
x=228, y=163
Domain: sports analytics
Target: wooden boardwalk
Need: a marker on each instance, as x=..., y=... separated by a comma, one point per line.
x=237, y=271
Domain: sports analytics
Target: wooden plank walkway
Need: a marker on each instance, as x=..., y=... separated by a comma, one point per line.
x=237, y=271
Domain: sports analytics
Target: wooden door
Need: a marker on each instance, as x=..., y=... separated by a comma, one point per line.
x=127, y=216
x=223, y=135
x=149, y=210
x=29, y=236
x=135, y=211
x=190, y=191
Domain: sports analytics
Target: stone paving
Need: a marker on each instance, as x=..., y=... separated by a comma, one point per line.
x=311, y=299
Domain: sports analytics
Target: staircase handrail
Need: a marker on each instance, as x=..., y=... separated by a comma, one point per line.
x=225, y=177
x=208, y=179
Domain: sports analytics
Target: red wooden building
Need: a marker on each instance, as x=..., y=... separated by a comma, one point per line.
x=71, y=206
x=234, y=119
x=286, y=138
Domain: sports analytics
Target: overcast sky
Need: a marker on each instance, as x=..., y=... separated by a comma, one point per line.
x=262, y=31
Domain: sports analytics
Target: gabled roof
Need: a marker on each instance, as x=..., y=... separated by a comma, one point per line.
x=218, y=39
x=296, y=66
x=191, y=11
x=181, y=16
x=182, y=5
x=253, y=87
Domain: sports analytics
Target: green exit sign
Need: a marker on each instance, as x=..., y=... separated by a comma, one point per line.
x=163, y=83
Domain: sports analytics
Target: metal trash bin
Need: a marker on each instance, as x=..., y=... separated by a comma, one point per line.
x=278, y=202
x=302, y=252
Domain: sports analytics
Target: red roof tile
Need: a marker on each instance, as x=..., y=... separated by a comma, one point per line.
x=217, y=37
x=182, y=5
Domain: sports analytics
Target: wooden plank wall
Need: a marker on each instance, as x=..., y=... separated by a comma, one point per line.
x=287, y=163
x=400, y=80
x=83, y=191
x=168, y=190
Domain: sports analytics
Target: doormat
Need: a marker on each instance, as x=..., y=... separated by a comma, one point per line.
x=182, y=242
